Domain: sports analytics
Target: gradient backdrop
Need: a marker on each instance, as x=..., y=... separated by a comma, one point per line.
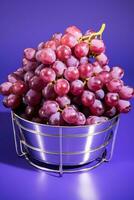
x=25, y=24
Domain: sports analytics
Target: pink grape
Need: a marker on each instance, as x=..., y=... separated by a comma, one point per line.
x=42, y=114
x=117, y=73
x=106, y=68
x=63, y=101
x=46, y=56
x=72, y=62
x=12, y=101
x=63, y=52
x=87, y=98
x=77, y=87
x=5, y=88
x=20, y=72
x=104, y=76
x=97, y=68
x=28, y=75
x=71, y=73
x=123, y=106
x=57, y=38
x=56, y=119
x=83, y=60
x=38, y=69
x=112, y=99
x=47, y=75
x=32, y=97
x=29, y=65
x=100, y=94
x=97, y=46
x=81, y=119
x=29, y=53
x=114, y=85
x=126, y=92
x=59, y=68
x=50, y=107
x=74, y=31
x=69, y=40
x=85, y=70
x=69, y=114
x=36, y=83
x=19, y=88
x=12, y=78
x=89, y=32
x=97, y=108
x=40, y=45
x=61, y=87
x=94, y=83
x=50, y=44
x=81, y=49
x=102, y=59
x=96, y=120
x=48, y=91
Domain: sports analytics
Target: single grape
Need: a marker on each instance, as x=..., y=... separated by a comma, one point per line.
x=30, y=111
x=97, y=68
x=69, y=40
x=77, y=87
x=102, y=59
x=117, y=73
x=87, y=98
x=12, y=78
x=28, y=75
x=123, y=106
x=38, y=69
x=72, y=62
x=29, y=53
x=46, y=56
x=104, y=76
x=84, y=60
x=12, y=101
x=56, y=119
x=111, y=99
x=57, y=38
x=81, y=119
x=97, y=108
x=126, y=92
x=40, y=45
x=89, y=32
x=96, y=120
x=62, y=87
x=42, y=114
x=97, y=46
x=85, y=70
x=106, y=68
x=59, y=68
x=69, y=114
x=111, y=112
x=5, y=88
x=50, y=107
x=114, y=85
x=19, y=88
x=32, y=98
x=36, y=83
x=73, y=30
x=63, y=52
x=29, y=65
x=81, y=49
x=47, y=75
x=71, y=73
x=63, y=101
x=94, y=83
x=100, y=94
x=48, y=91
x=50, y=44
x=20, y=72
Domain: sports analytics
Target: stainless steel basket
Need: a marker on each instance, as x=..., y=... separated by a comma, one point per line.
x=64, y=148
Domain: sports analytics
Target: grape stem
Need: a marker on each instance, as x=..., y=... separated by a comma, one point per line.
x=87, y=38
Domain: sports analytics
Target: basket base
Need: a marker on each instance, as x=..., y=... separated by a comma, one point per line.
x=66, y=169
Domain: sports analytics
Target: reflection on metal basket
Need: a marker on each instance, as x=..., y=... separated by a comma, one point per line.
x=62, y=146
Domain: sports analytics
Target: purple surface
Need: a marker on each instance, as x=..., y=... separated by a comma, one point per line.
x=24, y=24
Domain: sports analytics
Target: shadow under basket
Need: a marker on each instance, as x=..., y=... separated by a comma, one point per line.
x=64, y=148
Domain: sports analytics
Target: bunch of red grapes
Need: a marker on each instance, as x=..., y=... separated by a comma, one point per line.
x=67, y=81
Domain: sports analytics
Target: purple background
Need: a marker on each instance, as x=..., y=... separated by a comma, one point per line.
x=25, y=24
